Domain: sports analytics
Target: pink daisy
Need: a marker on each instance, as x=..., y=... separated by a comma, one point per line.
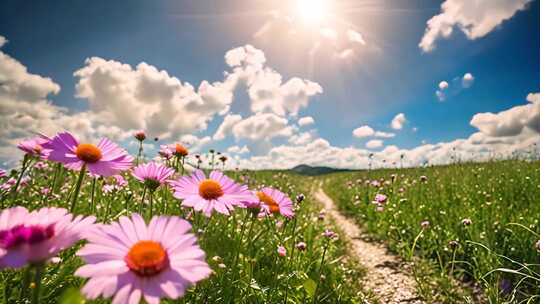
x=152, y=174
x=34, y=237
x=105, y=159
x=132, y=260
x=275, y=201
x=35, y=146
x=3, y=173
x=218, y=192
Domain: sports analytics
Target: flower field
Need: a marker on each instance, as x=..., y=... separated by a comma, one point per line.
x=90, y=223
x=477, y=223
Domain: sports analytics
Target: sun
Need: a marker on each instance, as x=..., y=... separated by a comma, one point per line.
x=312, y=12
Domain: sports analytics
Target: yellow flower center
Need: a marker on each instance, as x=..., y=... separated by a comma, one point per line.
x=269, y=201
x=88, y=153
x=147, y=258
x=181, y=150
x=210, y=189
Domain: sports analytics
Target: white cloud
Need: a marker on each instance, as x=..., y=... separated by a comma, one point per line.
x=384, y=134
x=355, y=37
x=306, y=121
x=262, y=126
x=238, y=150
x=194, y=143
x=511, y=122
x=467, y=80
x=398, y=121
x=226, y=126
x=374, y=144
x=474, y=18
x=443, y=85
x=363, y=131
x=245, y=56
x=3, y=41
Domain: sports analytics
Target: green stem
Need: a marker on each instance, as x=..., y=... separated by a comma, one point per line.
x=92, y=203
x=142, y=201
x=151, y=204
x=78, y=188
x=25, y=165
x=139, y=155
x=37, y=281
x=320, y=270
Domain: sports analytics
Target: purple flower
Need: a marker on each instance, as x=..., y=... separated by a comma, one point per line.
x=3, y=173
x=131, y=260
x=281, y=251
x=275, y=201
x=301, y=246
x=218, y=192
x=105, y=159
x=35, y=146
x=165, y=152
x=34, y=237
x=380, y=198
x=152, y=174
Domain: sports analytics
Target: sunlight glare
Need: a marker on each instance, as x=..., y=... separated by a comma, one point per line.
x=312, y=12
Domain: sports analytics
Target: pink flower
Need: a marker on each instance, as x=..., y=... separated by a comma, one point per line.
x=152, y=174
x=218, y=192
x=139, y=135
x=425, y=224
x=275, y=201
x=282, y=251
x=120, y=181
x=35, y=146
x=105, y=159
x=537, y=245
x=41, y=165
x=301, y=246
x=165, y=152
x=8, y=184
x=329, y=234
x=3, y=173
x=34, y=237
x=132, y=260
x=380, y=198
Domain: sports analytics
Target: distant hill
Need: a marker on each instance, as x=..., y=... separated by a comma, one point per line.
x=309, y=170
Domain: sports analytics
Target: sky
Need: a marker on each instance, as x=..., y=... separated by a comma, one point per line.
x=274, y=84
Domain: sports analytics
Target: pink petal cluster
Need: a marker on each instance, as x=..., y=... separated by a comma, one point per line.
x=115, y=254
x=280, y=202
x=34, y=237
x=152, y=172
x=35, y=146
x=111, y=159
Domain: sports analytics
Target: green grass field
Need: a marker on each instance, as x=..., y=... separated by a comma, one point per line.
x=477, y=223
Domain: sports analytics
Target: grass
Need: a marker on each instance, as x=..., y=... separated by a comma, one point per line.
x=483, y=224
x=241, y=249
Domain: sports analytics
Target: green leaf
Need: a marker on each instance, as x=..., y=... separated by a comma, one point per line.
x=310, y=286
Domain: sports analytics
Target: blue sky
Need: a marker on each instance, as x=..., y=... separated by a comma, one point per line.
x=388, y=75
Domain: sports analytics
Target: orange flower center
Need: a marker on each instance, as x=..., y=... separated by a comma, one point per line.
x=147, y=258
x=269, y=201
x=88, y=153
x=180, y=150
x=210, y=189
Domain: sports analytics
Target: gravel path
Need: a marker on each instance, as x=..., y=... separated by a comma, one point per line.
x=387, y=276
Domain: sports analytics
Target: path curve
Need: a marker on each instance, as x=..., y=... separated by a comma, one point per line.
x=386, y=276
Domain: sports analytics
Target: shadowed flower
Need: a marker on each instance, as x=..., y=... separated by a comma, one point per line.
x=132, y=260
x=105, y=159
x=301, y=246
x=34, y=237
x=218, y=192
x=35, y=146
x=275, y=201
x=466, y=222
x=152, y=174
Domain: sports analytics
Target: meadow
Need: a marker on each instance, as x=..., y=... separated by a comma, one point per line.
x=245, y=256
x=475, y=224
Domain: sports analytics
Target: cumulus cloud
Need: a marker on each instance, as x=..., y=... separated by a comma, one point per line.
x=238, y=150
x=363, y=131
x=398, y=121
x=467, y=80
x=3, y=41
x=511, y=122
x=306, y=121
x=262, y=126
x=474, y=18
x=374, y=144
x=355, y=37
x=226, y=126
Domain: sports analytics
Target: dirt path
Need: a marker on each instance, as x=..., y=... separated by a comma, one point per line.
x=387, y=275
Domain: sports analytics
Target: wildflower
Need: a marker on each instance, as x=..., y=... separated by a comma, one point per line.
x=222, y=266
x=180, y=150
x=329, y=234
x=380, y=208
x=41, y=165
x=132, y=260
x=8, y=184
x=152, y=175
x=322, y=215
x=105, y=159
x=425, y=224
x=466, y=222
x=380, y=199
x=301, y=246
x=282, y=251
x=35, y=146
x=275, y=201
x=537, y=245
x=506, y=286
x=423, y=178
x=139, y=135
x=34, y=237
x=45, y=191
x=300, y=198
x=218, y=192
x=3, y=173
x=165, y=152
x=216, y=258
x=120, y=181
